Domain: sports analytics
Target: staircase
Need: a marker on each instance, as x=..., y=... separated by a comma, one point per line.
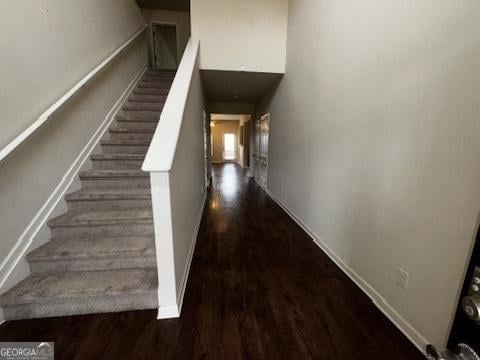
x=101, y=256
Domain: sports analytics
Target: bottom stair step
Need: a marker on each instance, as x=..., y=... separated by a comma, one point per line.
x=75, y=293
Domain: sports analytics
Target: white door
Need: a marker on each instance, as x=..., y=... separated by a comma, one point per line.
x=229, y=147
x=263, y=157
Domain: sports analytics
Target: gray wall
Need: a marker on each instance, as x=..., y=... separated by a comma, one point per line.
x=49, y=45
x=374, y=145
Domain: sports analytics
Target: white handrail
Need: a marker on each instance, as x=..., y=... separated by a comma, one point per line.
x=44, y=117
x=161, y=152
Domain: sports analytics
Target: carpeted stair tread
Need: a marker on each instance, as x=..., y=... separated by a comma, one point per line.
x=155, y=84
x=94, y=218
x=94, y=247
x=127, y=157
x=120, y=129
x=151, y=91
x=142, y=106
x=40, y=288
x=126, y=142
x=102, y=174
x=132, y=116
x=109, y=194
x=147, y=98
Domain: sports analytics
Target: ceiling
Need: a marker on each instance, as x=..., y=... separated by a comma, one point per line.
x=172, y=5
x=236, y=86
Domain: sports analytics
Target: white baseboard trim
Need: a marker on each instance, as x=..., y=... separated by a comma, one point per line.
x=25, y=240
x=168, y=312
x=174, y=311
x=403, y=325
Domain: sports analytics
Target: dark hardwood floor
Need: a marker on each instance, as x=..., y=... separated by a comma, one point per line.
x=259, y=288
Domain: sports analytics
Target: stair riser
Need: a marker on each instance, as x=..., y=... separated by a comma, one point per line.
x=139, y=125
x=131, y=136
x=137, y=229
x=82, y=306
x=124, y=149
x=123, y=262
x=135, y=183
x=117, y=164
x=143, y=106
x=139, y=115
x=151, y=91
x=147, y=98
x=108, y=205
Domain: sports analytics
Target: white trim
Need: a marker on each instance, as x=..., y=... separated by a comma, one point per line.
x=164, y=248
x=380, y=302
x=161, y=151
x=26, y=238
x=168, y=312
x=174, y=311
x=46, y=114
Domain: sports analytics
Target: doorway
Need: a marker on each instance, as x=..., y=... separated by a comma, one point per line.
x=229, y=147
x=164, y=47
x=229, y=138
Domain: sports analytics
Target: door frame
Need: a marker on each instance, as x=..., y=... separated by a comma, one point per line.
x=235, y=146
x=152, y=46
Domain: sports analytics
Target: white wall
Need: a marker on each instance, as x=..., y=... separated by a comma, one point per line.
x=49, y=45
x=29, y=176
x=374, y=145
x=187, y=181
x=180, y=19
x=245, y=35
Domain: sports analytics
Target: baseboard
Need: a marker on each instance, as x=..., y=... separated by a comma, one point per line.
x=403, y=325
x=174, y=311
x=168, y=312
x=25, y=240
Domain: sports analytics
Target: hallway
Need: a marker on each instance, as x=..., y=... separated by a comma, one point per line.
x=259, y=288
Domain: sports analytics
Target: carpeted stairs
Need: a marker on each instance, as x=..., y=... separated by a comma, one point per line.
x=101, y=256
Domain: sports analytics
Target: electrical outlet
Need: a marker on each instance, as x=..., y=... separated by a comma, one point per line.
x=402, y=278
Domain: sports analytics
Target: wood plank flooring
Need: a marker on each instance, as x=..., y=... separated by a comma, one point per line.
x=259, y=288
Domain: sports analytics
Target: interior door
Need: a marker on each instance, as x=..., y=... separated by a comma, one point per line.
x=466, y=326
x=263, y=158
